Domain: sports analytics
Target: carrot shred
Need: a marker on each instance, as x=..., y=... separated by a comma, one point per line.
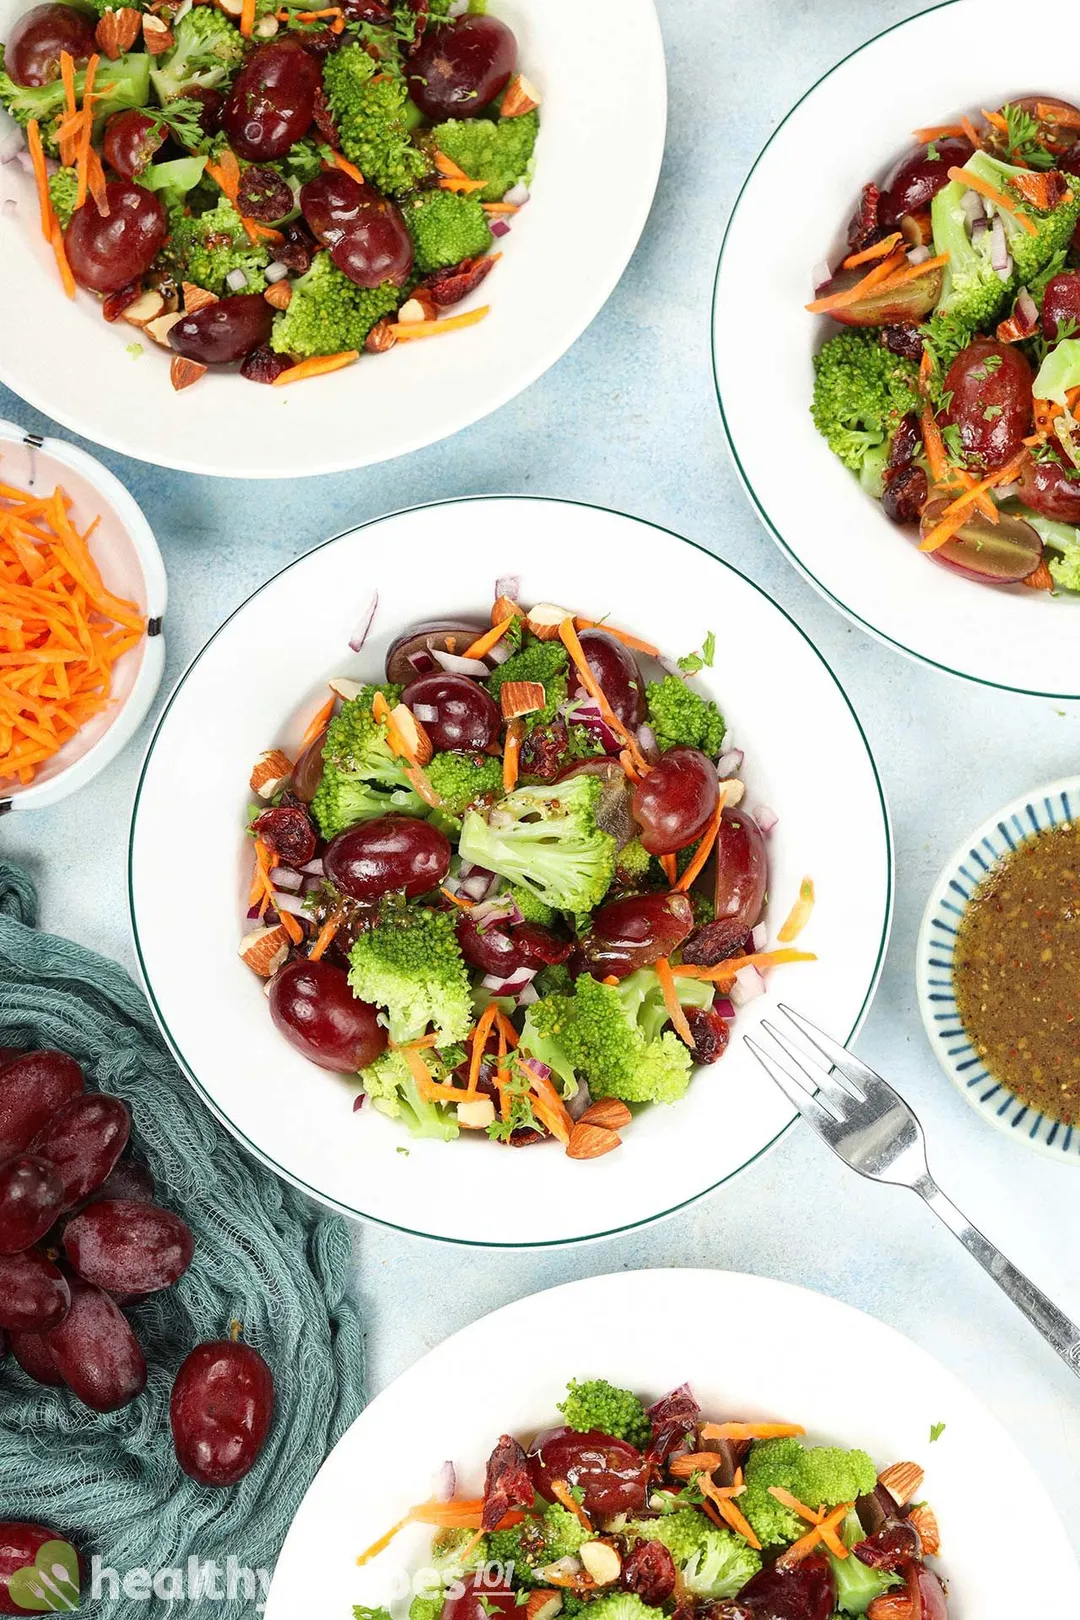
x=996, y=121
x=879, y=273
x=483, y=644
x=936, y=132
x=335, y=160
x=722, y=1498
x=751, y=1431
x=425, y=329
x=624, y=636
x=495, y=210
x=316, y=367
x=454, y=1515
x=785, y=1498
x=456, y=899
x=955, y=514
x=325, y=937
x=447, y=167
x=82, y=152
x=968, y=128
x=724, y=972
x=549, y=1106
x=315, y=725
x=464, y=185
x=506, y=1028
x=479, y=1041
x=672, y=1004
x=1066, y=117
x=800, y=913
x=825, y=1531
x=670, y=869
x=705, y=847
x=41, y=177
x=561, y=1491
x=247, y=18
x=569, y=638
x=56, y=240
x=67, y=74
x=975, y=182
x=1041, y=580
x=515, y=731
x=877, y=250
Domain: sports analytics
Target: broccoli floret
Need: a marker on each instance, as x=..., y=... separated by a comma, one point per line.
x=594, y=1034
x=461, y=779
x=857, y=1585
x=532, y=909
x=542, y=661
x=622, y=1606
x=861, y=390
x=173, y=181
x=541, y=1033
x=362, y=1612
x=634, y=865
x=126, y=84
x=820, y=1476
x=206, y=248
x=1063, y=547
x=411, y=965
x=445, y=229
x=682, y=718
x=369, y=105
x=63, y=189
x=539, y=1540
x=391, y=1085
x=207, y=52
x=642, y=998
x=458, y=1549
x=713, y=1563
x=498, y=151
x=361, y=777
x=424, y=1606
x=546, y=841
x=1031, y=253
x=596, y=1404
x=328, y=313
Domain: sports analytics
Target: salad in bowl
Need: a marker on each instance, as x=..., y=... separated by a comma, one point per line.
x=510, y=882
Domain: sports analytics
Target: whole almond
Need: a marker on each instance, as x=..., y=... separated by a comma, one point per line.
x=196, y=297
x=157, y=35
x=610, y=1113
x=381, y=337
x=279, y=294
x=117, y=31
x=591, y=1141
x=902, y=1480
x=270, y=771
x=925, y=1521
x=183, y=372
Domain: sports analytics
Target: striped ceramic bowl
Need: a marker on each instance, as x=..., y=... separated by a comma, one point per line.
x=1033, y=813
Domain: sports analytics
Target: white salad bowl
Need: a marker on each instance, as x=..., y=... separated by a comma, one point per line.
x=257, y=683
x=857, y=121
x=749, y=1348
x=599, y=65
x=125, y=550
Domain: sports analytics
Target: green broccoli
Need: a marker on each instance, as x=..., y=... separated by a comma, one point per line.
x=861, y=390
x=622, y=1606
x=328, y=313
x=642, y=999
x=541, y=1034
x=820, y=1476
x=546, y=839
x=681, y=718
x=594, y=1033
x=712, y=1563
x=370, y=107
x=410, y=964
x=173, y=181
x=207, y=51
x=1063, y=545
x=1054, y=227
x=126, y=84
x=634, y=866
x=446, y=229
x=532, y=909
x=462, y=779
x=542, y=661
x=857, y=1585
x=539, y=1540
x=361, y=778
x=362, y=1612
x=63, y=189
x=596, y=1404
x=424, y=1606
x=206, y=248
x=498, y=151
x=1059, y=372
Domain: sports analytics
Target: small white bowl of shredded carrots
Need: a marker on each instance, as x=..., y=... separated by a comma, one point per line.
x=82, y=599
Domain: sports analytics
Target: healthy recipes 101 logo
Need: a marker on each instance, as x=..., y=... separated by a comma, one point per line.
x=52, y=1583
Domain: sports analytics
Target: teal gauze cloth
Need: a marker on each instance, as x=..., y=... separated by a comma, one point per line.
x=153, y=1543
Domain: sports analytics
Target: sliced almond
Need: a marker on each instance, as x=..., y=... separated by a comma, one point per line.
x=157, y=35
x=601, y=1561
x=420, y=307
x=117, y=31
x=612, y=1523
x=160, y=328
x=521, y=97
x=505, y=608
x=733, y=792
x=279, y=294
x=543, y=1605
x=146, y=308
x=196, y=297
x=609, y=1113
x=231, y=8
x=544, y=620
x=567, y=1572
x=344, y=688
x=183, y=372
x=270, y=773
x=265, y=950
x=415, y=738
x=476, y=1116
x=925, y=1521
x=266, y=27
x=902, y=1480
x=591, y=1141
x=521, y=697
x=381, y=337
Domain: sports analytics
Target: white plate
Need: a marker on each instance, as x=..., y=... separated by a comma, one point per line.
x=881, y=1393
x=938, y=65
x=599, y=65
x=259, y=680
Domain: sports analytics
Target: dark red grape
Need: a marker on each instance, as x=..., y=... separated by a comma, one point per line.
x=918, y=177
x=287, y=829
x=308, y=770
x=461, y=67
x=1061, y=305
x=1000, y=553
x=224, y=331
x=990, y=384
x=211, y=102
x=272, y=101
x=490, y=947
x=611, y=1474
x=32, y=1087
x=313, y=1007
x=130, y=1179
x=616, y=669
x=929, y=1594
x=37, y=38
x=106, y=251
x=31, y=1195
x=635, y=932
x=83, y=1141
x=128, y=1247
x=388, y=854
x=1047, y=488
x=332, y=202
x=376, y=248
x=469, y=1600
x=34, y=1294
x=131, y=139
x=466, y=717
x=35, y=1358
x=410, y=655
x=675, y=802
x=221, y=1409
x=538, y=946
x=740, y=878
x=9, y=1053
x=96, y=1353
x=802, y=1592
x=20, y=1541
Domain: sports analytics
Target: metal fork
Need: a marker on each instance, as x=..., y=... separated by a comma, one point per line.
x=870, y=1127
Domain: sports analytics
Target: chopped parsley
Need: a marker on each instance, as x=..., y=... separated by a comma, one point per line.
x=695, y=661
x=936, y=1431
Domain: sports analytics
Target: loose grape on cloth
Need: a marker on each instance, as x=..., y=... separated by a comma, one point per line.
x=263, y=1257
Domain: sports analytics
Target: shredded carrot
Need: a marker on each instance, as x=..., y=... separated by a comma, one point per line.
x=500, y=208
x=825, y=1531
x=82, y=152
x=1041, y=580
x=878, y=250
x=996, y=121
x=936, y=132
x=464, y=184
x=247, y=18
x=866, y=284
x=800, y=912
x=325, y=937
x=670, y=868
x=447, y=167
x=483, y=644
x=968, y=128
x=632, y=772
x=561, y=1491
x=95, y=179
x=479, y=1041
x=974, y=182
x=456, y=899
x=569, y=638
x=425, y=329
x=506, y=1028
x=751, y=1431
x=722, y=1498
x=56, y=238
x=515, y=731
x=67, y=74
x=263, y=865
x=315, y=725
x=724, y=972
x=41, y=177
x=704, y=849
x=455, y=1515
x=548, y=1106
x=226, y=174
x=317, y=367
x=624, y=636
x=672, y=1003
x=955, y=514
x=317, y=16
x=1066, y=117
x=785, y=1498
x=335, y=160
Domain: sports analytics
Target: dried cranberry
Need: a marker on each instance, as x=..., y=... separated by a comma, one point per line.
x=894, y=1545
x=263, y=194
x=321, y=43
x=421, y=10
x=263, y=365
x=289, y=833
x=905, y=493
x=451, y=286
x=114, y=304
x=712, y=943
x=324, y=122
x=802, y=1592
x=508, y=1482
x=710, y=1033
x=544, y=751
x=905, y=441
x=905, y=338
x=298, y=248
x=649, y=1570
x=864, y=227
x=674, y=1419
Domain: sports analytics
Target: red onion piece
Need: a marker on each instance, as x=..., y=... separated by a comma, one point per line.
x=730, y=763
x=358, y=1102
x=499, y=227
x=511, y=984
x=670, y=667
x=972, y=204
x=503, y=908
x=291, y=903
x=357, y=639
x=759, y=937
x=460, y=666
x=724, y=1007
x=313, y=868
x=765, y=818
x=252, y=913
x=918, y=255
x=748, y=984
x=577, y=1104
x=535, y=1067
x=999, y=247
x=500, y=653
x=647, y=742
x=445, y=1483
x=422, y=662
x=282, y=878
x=528, y=995
x=478, y=885
x=586, y=712
x=517, y=195
x=508, y=585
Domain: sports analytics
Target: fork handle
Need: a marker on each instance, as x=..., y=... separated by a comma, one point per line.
x=1056, y=1328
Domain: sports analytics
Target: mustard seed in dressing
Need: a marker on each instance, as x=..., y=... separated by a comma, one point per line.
x=1016, y=972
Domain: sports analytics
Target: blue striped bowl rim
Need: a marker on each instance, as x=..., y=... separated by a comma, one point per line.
x=1030, y=814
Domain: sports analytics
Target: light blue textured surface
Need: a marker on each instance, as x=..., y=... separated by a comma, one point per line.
x=629, y=419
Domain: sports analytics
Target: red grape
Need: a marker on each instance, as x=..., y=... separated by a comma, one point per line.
x=448, y=635
x=675, y=802
x=130, y=1179
x=611, y=1474
x=376, y=248
x=128, y=1247
x=35, y=1358
x=313, y=1007
x=1000, y=553
x=1046, y=488
x=1061, y=304
x=741, y=875
x=34, y=1294
x=106, y=251
x=9, y=1053
x=221, y=1409
x=331, y=203
x=990, y=377
x=802, y=1592
x=466, y=717
x=387, y=854
x=32, y=1087
x=490, y=948
x=272, y=101
x=918, y=177
x=616, y=669
x=635, y=932
x=83, y=1141
x=20, y=1541
x=470, y=1600
x=308, y=770
x=95, y=1351
x=227, y=330
x=461, y=67
x=31, y=1195
x=37, y=38
x=130, y=141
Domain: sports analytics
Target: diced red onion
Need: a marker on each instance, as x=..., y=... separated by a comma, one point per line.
x=1027, y=310
x=426, y=713
x=477, y=885
x=503, y=908
x=647, y=742
x=253, y=912
x=528, y=995
x=11, y=144
x=460, y=666
x=577, y=1104
x=236, y=280
x=747, y=986
x=730, y=763
x=312, y=885
x=313, y=868
x=540, y=1070
x=500, y=652
x=282, y=878
x=759, y=937
x=9, y=208
x=821, y=275
x=465, y=868
x=765, y=818
x=972, y=204
x=292, y=903
x=999, y=247
x=508, y=585
x=276, y=271
x=422, y=662
x=979, y=229
x=511, y=983
x=358, y=1102
x=918, y=255
x=500, y=227
x=445, y=1483
x=724, y=1007
x=518, y=195
x=360, y=634
x=1005, y=492
x=586, y=712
